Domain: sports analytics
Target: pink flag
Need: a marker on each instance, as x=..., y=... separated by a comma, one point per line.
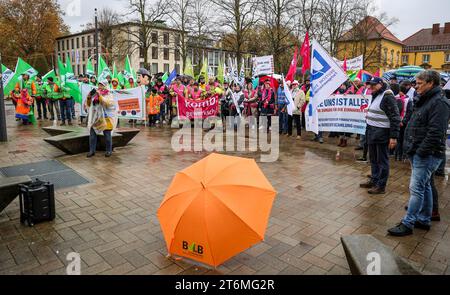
x=305, y=52
x=290, y=76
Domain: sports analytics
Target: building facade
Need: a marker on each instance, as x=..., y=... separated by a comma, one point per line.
x=381, y=49
x=163, y=54
x=429, y=48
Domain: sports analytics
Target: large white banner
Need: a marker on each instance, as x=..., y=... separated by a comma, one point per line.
x=354, y=64
x=326, y=77
x=130, y=103
x=263, y=65
x=344, y=113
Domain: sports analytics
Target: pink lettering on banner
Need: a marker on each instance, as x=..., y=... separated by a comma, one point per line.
x=198, y=109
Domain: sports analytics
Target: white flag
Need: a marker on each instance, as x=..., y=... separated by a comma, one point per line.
x=288, y=94
x=447, y=86
x=326, y=77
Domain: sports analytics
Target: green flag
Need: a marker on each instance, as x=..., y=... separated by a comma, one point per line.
x=220, y=75
x=69, y=68
x=61, y=68
x=165, y=77
x=90, y=68
x=7, y=78
x=23, y=68
x=114, y=75
x=103, y=70
x=70, y=81
x=128, y=72
x=188, y=69
x=51, y=74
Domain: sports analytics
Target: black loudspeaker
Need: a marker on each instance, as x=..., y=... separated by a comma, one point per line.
x=37, y=202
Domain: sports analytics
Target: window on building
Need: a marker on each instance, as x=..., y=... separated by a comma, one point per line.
x=83, y=55
x=398, y=57
x=82, y=42
x=78, y=42
x=78, y=70
x=177, y=40
x=426, y=58
x=385, y=55
x=84, y=69
x=73, y=43
x=392, y=56
x=89, y=53
x=405, y=59
x=141, y=52
x=155, y=37
x=166, y=53
x=177, y=55
x=141, y=65
x=62, y=45
x=166, y=38
x=166, y=68
x=154, y=68
x=154, y=52
x=68, y=45
x=447, y=58
x=59, y=46
x=177, y=68
x=89, y=41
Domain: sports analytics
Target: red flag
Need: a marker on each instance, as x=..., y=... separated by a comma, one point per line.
x=344, y=66
x=290, y=76
x=305, y=52
x=377, y=73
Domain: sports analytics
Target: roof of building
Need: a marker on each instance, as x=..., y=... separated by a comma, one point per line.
x=425, y=37
x=161, y=26
x=373, y=28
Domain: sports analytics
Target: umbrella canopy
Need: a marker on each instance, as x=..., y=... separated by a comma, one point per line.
x=408, y=72
x=215, y=209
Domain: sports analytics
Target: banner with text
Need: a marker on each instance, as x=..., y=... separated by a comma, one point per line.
x=198, y=109
x=263, y=65
x=344, y=113
x=130, y=103
x=354, y=64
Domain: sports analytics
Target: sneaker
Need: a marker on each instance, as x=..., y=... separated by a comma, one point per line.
x=368, y=184
x=377, y=191
x=421, y=225
x=362, y=159
x=321, y=140
x=400, y=230
x=90, y=155
x=108, y=154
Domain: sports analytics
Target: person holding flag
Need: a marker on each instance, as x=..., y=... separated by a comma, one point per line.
x=65, y=105
x=26, y=83
x=176, y=92
x=267, y=101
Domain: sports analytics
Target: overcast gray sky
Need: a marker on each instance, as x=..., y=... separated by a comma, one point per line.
x=413, y=15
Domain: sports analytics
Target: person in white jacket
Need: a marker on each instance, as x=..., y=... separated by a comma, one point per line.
x=299, y=98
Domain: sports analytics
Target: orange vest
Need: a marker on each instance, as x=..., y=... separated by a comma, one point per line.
x=23, y=109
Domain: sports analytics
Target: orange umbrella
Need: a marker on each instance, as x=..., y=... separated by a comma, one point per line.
x=215, y=209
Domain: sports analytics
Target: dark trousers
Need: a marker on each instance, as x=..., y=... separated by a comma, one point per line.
x=298, y=125
x=379, y=161
x=53, y=107
x=93, y=140
x=66, y=109
x=41, y=105
x=399, y=149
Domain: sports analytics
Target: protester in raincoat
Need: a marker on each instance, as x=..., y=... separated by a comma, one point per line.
x=100, y=107
x=24, y=104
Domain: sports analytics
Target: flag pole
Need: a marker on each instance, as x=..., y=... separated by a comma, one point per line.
x=3, y=130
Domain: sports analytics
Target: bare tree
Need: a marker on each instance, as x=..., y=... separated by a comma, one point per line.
x=181, y=17
x=277, y=27
x=145, y=16
x=335, y=16
x=309, y=19
x=365, y=32
x=239, y=17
